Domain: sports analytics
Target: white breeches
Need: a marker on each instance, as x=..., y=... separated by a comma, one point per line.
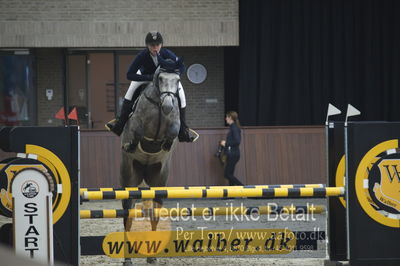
x=136, y=84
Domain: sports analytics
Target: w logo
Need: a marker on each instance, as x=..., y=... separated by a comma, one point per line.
x=388, y=191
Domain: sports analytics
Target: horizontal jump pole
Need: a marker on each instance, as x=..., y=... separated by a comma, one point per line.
x=216, y=193
x=201, y=211
x=201, y=187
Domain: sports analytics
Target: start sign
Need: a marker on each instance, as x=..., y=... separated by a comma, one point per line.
x=32, y=214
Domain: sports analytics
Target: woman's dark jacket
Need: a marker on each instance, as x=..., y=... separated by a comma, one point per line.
x=233, y=140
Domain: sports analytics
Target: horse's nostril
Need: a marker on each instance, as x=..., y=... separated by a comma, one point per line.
x=167, y=105
x=166, y=109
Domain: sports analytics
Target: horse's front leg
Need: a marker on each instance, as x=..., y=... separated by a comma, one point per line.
x=157, y=177
x=130, y=176
x=130, y=145
x=154, y=218
x=170, y=135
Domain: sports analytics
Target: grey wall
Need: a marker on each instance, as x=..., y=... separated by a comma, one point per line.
x=117, y=23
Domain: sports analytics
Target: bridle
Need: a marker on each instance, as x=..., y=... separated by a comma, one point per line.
x=159, y=103
x=168, y=93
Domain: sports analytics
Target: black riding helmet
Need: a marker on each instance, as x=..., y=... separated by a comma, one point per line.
x=154, y=37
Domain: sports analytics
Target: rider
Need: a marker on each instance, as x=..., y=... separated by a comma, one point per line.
x=141, y=71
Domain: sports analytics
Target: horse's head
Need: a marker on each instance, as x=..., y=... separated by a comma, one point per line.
x=168, y=86
x=167, y=79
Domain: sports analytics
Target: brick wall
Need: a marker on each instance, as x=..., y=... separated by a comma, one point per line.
x=50, y=75
x=201, y=112
x=117, y=23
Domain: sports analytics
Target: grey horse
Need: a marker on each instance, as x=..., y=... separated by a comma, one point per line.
x=149, y=137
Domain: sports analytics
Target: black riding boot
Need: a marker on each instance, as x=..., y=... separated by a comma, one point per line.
x=184, y=135
x=117, y=125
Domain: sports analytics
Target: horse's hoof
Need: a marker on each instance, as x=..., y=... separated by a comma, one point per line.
x=127, y=262
x=166, y=146
x=129, y=147
x=151, y=260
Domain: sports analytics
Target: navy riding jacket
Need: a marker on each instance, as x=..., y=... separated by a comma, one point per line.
x=233, y=139
x=145, y=63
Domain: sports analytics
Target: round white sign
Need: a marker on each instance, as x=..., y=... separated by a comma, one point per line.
x=197, y=73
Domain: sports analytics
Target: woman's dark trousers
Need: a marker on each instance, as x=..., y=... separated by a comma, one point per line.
x=229, y=170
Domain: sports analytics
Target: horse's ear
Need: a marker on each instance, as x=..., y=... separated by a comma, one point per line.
x=156, y=74
x=179, y=62
x=157, y=71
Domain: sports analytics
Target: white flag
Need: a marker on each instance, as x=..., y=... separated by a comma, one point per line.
x=332, y=110
x=352, y=111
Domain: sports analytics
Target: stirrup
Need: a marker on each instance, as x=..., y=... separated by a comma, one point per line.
x=196, y=135
x=188, y=136
x=115, y=127
x=110, y=124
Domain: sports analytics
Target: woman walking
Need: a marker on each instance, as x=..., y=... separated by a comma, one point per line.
x=231, y=146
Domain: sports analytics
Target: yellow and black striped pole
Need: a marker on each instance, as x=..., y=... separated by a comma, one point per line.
x=216, y=193
x=202, y=211
x=82, y=190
